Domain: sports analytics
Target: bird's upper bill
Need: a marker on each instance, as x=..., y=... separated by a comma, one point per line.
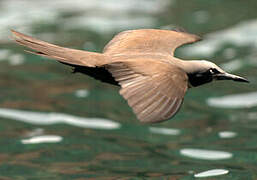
x=227, y=76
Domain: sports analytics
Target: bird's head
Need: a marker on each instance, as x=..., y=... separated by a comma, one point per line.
x=201, y=72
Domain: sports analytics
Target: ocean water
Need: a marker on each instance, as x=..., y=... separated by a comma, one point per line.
x=59, y=125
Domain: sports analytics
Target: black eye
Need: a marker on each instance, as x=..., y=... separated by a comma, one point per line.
x=213, y=71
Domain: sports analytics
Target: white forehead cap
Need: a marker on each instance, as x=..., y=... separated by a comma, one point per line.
x=208, y=63
x=212, y=65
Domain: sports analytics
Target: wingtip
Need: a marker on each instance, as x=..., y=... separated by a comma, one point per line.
x=184, y=31
x=194, y=36
x=15, y=34
x=198, y=38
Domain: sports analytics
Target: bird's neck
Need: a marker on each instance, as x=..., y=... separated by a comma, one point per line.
x=196, y=72
x=189, y=66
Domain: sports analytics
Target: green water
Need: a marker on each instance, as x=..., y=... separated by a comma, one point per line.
x=208, y=133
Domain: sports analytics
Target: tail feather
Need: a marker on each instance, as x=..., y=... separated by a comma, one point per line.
x=66, y=55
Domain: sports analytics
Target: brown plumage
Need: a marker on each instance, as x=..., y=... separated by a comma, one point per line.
x=152, y=80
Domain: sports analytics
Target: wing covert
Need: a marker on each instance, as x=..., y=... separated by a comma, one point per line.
x=148, y=41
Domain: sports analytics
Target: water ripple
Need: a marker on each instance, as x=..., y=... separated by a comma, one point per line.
x=42, y=118
x=242, y=34
x=206, y=154
x=165, y=131
x=4, y=53
x=227, y=134
x=246, y=100
x=213, y=172
x=42, y=139
x=232, y=65
x=81, y=93
x=90, y=14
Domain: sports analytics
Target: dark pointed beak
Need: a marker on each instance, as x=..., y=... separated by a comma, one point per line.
x=227, y=76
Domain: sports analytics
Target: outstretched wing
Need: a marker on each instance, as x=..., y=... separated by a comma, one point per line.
x=154, y=92
x=148, y=41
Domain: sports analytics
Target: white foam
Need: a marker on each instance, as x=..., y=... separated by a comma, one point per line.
x=252, y=116
x=81, y=93
x=201, y=16
x=42, y=139
x=35, y=132
x=242, y=34
x=246, y=100
x=117, y=23
x=232, y=65
x=229, y=53
x=102, y=16
x=16, y=59
x=165, y=131
x=212, y=172
x=206, y=154
x=4, y=53
x=227, y=134
x=42, y=118
x=89, y=46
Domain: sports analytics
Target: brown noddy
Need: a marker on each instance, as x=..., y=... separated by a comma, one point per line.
x=142, y=62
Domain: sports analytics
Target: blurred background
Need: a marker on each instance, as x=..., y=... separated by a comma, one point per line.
x=59, y=125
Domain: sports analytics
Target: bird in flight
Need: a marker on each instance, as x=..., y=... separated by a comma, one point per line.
x=142, y=63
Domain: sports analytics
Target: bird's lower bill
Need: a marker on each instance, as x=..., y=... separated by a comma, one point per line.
x=227, y=76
